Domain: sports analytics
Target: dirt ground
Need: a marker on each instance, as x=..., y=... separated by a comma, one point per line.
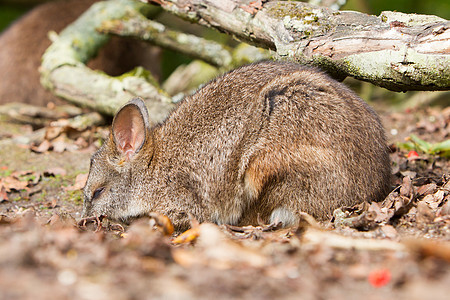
x=396, y=249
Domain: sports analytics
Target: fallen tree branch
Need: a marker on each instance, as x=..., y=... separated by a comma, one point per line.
x=136, y=25
x=333, y=240
x=394, y=50
x=424, y=99
x=64, y=72
x=189, y=77
x=37, y=116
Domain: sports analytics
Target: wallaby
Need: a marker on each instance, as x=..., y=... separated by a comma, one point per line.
x=263, y=142
x=24, y=42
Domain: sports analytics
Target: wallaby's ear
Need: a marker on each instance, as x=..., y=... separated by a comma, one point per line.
x=130, y=127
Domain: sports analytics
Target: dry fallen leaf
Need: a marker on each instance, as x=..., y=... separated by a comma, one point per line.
x=187, y=237
x=424, y=213
x=43, y=147
x=163, y=222
x=15, y=181
x=55, y=171
x=407, y=188
x=59, y=144
x=445, y=209
x=52, y=132
x=216, y=250
x=80, y=182
x=81, y=143
x=426, y=189
x=3, y=195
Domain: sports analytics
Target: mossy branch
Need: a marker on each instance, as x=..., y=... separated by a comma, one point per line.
x=64, y=72
x=138, y=26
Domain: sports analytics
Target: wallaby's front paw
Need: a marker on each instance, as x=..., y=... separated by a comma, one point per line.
x=87, y=223
x=163, y=222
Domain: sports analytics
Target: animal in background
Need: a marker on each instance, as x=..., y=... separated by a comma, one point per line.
x=24, y=42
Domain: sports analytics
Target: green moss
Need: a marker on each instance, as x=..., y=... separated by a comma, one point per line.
x=174, y=36
x=42, y=197
x=303, y=19
x=245, y=53
x=74, y=197
x=19, y=198
x=142, y=73
x=283, y=9
x=5, y=173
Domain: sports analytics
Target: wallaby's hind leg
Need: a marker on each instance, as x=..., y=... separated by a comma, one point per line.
x=274, y=189
x=300, y=192
x=283, y=183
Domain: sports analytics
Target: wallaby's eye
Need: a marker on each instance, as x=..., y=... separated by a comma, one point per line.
x=97, y=193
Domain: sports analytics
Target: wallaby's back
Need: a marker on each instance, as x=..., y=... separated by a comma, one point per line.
x=268, y=139
x=278, y=135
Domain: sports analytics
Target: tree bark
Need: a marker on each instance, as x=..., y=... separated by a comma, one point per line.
x=394, y=50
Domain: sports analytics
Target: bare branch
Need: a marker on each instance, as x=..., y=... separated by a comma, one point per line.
x=136, y=25
x=63, y=68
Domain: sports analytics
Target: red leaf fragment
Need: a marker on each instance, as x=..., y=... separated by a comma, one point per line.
x=412, y=155
x=379, y=278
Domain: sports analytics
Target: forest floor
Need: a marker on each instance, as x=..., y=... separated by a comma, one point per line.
x=395, y=249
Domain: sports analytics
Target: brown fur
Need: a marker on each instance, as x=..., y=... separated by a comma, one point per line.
x=268, y=139
x=24, y=42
